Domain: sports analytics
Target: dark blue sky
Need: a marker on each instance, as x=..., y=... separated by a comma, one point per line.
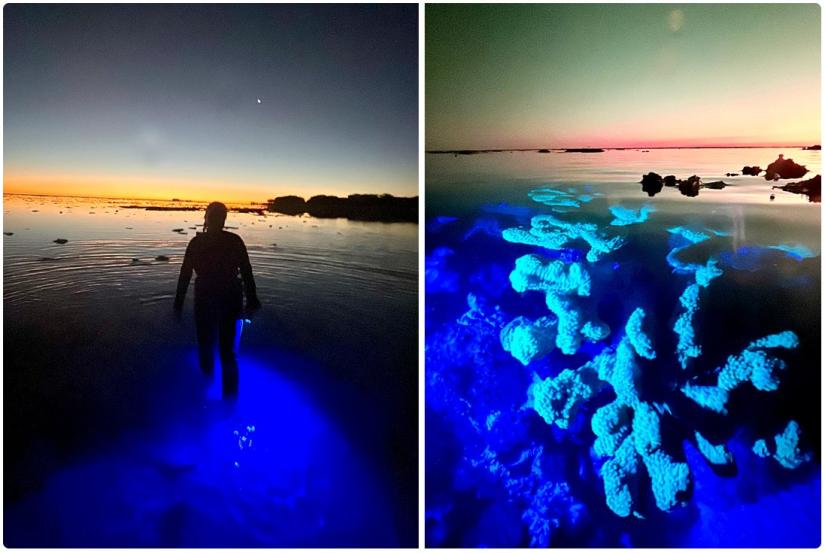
x=164, y=97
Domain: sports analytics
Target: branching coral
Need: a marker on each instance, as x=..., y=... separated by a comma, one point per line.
x=552, y=233
x=528, y=341
x=715, y=454
x=753, y=365
x=557, y=282
x=557, y=399
x=629, y=428
x=786, y=450
x=623, y=216
x=535, y=273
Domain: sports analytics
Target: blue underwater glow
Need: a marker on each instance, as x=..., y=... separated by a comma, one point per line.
x=623, y=216
x=580, y=401
x=271, y=468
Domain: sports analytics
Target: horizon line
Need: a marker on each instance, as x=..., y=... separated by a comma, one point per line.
x=618, y=148
x=85, y=196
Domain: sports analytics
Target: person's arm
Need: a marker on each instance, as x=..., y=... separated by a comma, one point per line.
x=184, y=278
x=250, y=290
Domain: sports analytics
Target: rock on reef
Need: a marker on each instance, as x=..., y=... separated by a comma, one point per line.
x=752, y=171
x=784, y=169
x=811, y=188
x=652, y=183
x=359, y=207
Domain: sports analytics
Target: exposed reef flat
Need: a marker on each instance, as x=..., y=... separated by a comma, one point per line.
x=652, y=184
x=359, y=207
x=811, y=188
x=257, y=210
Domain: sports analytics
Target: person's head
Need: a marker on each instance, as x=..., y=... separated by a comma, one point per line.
x=215, y=216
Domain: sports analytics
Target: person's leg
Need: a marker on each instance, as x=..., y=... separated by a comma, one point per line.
x=229, y=331
x=205, y=325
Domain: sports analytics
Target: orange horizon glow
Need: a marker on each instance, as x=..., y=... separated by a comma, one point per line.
x=110, y=186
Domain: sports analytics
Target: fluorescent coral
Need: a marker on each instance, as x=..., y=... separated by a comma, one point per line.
x=527, y=341
x=551, y=277
x=786, y=450
x=548, y=231
x=753, y=365
x=623, y=216
x=715, y=454
x=623, y=409
x=787, y=447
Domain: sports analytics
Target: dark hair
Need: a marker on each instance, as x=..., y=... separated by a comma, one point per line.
x=215, y=216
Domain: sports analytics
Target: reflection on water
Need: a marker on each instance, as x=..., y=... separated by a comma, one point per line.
x=100, y=377
x=710, y=274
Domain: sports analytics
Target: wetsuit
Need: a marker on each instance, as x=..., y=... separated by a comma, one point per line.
x=217, y=258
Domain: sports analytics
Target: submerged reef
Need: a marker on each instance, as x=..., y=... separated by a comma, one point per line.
x=623, y=216
x=628, y=429
x=552, y=233
x=558, y=284
x=786, y=450
x=548, y=418
x=754, y=364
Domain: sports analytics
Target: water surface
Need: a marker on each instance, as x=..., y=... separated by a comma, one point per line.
x=114, y=438
x=499, y=475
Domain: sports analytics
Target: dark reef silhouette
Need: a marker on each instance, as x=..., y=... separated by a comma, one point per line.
x=256, y=210
x=652, y=183
x=811, y=188
x=359, y=207
x=584, y=150
x=784, y=169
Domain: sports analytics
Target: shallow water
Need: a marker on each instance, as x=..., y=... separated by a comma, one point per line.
x=489, y=457
x=113, y=437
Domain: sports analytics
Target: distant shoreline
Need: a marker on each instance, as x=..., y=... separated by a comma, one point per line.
x=564, y=150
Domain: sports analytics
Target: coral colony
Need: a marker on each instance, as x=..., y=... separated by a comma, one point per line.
x=628, y=430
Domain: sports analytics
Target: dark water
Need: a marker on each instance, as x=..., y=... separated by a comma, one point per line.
x=114, y=438
x=497, y=474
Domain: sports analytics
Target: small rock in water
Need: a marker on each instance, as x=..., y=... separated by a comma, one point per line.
x=161, y=258
x=177, y=230
x=128, y=228
x=773, y=197
x=8, y=233
x=60, y=241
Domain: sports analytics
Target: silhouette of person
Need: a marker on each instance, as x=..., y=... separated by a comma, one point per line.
x=217, y=257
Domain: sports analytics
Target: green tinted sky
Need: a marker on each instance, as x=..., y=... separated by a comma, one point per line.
x=621, y=75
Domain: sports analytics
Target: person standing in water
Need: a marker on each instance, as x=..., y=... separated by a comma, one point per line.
x=218, y=257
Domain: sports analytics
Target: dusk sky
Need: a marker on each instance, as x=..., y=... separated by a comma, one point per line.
x=159, y=101
x=531, y=76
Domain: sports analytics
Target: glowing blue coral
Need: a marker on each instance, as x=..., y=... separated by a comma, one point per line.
x=715, y=454
x=624, y=216
x=640, y=341
x=760, y=448
x=557, y=399
x=668, y=479
x=619, y=475
x=536, y=273
x=611, y=425
x=787, y=447
x=647, y=435
x=571, y=324
x=552, y=233
x=753, y=365
x=528, y=341
x=686, y=347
